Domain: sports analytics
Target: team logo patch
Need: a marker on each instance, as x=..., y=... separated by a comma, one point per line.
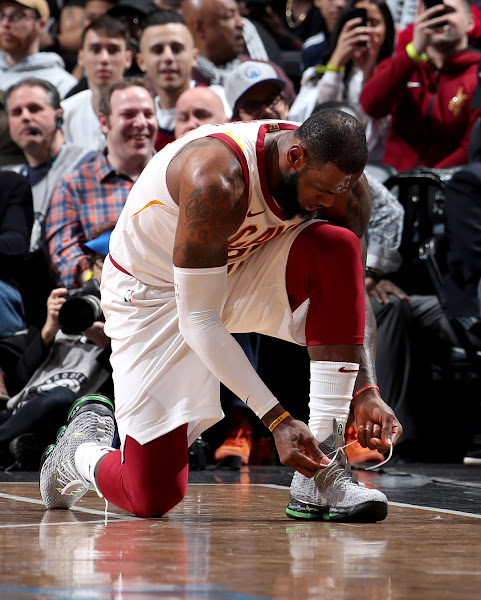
x=128, y=295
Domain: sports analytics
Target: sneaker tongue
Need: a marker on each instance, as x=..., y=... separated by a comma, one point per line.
x=327, y=446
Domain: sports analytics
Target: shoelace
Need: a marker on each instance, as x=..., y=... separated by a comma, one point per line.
x=343, y=475
x=367, y=468
x=68, y=479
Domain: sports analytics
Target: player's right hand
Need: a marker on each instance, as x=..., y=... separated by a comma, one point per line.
x=298, y=448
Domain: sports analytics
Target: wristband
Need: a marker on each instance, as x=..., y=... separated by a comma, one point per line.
x=413, y=55
x=329, y=67
x=277, y=421
x=369, y=386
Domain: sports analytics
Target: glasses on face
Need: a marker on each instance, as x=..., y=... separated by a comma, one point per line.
x=15, y=16
x=254, y=108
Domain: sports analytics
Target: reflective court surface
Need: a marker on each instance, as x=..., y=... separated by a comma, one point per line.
x=230, y=539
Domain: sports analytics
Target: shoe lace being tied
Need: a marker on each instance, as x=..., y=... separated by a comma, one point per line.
x=336, y=452
x=336, y=469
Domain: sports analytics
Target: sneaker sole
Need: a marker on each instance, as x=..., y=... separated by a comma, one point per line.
x=469, y=460
x=367, y=512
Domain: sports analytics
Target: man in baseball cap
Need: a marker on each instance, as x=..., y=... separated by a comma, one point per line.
x=41, y=6
x=22, y=23
x=255, y=91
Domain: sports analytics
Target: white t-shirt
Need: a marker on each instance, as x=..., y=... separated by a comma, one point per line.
x=81, y=125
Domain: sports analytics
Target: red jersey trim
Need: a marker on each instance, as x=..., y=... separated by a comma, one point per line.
x=261, y=164
x=237, y=151
x=117, y=266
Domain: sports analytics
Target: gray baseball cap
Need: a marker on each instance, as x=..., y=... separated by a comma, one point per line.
x=247, y=75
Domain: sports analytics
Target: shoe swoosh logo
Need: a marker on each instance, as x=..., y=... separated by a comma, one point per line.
x=253, y=214
x=344, y=370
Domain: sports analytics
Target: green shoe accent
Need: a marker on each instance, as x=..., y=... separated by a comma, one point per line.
x=90, y=398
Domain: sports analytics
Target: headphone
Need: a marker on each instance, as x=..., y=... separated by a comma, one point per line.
x=58, y=121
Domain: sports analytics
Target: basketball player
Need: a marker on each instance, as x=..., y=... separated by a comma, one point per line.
x=225, y=231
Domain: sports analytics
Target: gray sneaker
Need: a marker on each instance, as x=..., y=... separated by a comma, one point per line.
x=91, y=419
x=334, y=494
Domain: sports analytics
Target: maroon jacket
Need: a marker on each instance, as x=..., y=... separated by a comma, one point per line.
x=430, y=109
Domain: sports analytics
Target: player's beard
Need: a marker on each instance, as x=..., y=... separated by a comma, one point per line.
x=287, y=198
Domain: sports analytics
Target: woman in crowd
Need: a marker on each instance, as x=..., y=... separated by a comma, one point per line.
x=349, y=62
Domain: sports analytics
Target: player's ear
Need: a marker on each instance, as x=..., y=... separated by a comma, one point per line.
x=297, y=157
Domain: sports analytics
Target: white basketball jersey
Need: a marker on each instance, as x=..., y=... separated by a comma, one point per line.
x=142, y=243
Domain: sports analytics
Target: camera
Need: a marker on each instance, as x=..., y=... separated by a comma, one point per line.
x=81, y=308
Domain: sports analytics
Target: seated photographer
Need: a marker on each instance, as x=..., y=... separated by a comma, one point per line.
x=62, y=363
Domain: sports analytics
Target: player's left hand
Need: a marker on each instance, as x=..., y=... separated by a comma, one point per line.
x=377, y=426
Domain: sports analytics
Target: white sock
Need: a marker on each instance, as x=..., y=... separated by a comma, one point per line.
x=332, y=385
x=86, y=458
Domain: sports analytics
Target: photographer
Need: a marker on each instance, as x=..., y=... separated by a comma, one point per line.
x=363, y=36
x=55, y=369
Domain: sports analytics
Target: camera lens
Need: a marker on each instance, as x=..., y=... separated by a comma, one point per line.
x=79, y=313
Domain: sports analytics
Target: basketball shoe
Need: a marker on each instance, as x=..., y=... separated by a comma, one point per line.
x=239, y=442
x=333, y=494
x=90, y=419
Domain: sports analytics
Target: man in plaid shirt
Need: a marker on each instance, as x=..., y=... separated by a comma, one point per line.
x=96, y=192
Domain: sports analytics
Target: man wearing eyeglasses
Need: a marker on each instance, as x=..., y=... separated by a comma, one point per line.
x=22, y=23
x=255, y=91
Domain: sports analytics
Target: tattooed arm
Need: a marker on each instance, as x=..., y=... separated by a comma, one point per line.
x=207, y=182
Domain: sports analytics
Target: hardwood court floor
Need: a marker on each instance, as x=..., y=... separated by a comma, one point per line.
x=230, y=540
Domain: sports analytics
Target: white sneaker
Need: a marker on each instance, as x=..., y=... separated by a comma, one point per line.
x=91, y=419
x=333, y=494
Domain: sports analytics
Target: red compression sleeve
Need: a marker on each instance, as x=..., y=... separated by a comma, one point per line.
x=325, y=266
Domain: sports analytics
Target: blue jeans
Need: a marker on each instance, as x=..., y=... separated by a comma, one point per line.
x=12, y=314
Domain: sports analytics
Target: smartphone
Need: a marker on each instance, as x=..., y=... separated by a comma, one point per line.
x=431, y=3
x=359, y=13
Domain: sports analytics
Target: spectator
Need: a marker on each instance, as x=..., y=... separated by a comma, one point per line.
x=290, y=23
x=254, y=91
x=97, y=191
x=35, y=122
x=353, y=53
x=10, y=154
x=427, y=89
x=104, y=57
x=167, y=56
x=64, y=29
x=21, y=27
x=197, y=106
x=80, y=361
x=222, y=36
x=314, y=48
x=132, y=13
x=95, y=9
